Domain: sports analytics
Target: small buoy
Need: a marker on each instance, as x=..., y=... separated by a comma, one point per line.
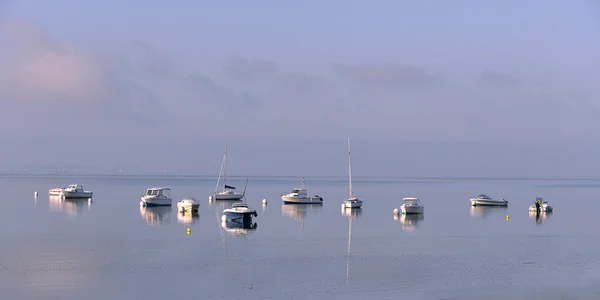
x=343, y=206
x=264, y=201
x=210, y=198
x=189, y=231
x=224, y=218
x=35, y=194
x=396, y=211
x=507, y=217
x=89, y=200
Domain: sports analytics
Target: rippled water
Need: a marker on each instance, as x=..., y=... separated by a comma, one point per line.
x=112, y=248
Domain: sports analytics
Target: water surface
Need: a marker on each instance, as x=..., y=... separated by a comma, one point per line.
x=113, y=248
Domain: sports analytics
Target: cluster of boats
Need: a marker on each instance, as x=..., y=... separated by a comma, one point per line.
x=240, y=212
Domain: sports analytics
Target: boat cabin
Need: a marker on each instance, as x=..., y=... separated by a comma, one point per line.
x=298, y=191
x=483, y=196
x=74, y=187
x=158, y=192
x=412, y=201
x=239, y=205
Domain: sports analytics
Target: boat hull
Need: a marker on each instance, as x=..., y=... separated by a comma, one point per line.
x=239, y=217
x=228, y=197
x=483, y=202
x=303, y=200
x=73, y=195
x=188, y=207
x=155, y=201
x=352, y=204
x=407, y=210
x=543, y=208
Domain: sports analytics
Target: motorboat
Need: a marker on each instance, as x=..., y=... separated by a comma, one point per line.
x=58, y=191
x=228, y=192
x=188, y=204
x=157, y=196
x=239, y=212
x=485, y=200
x=544, y=206
x=76, y=191
x=300, y=196
x=352, y=201
x=411, y=206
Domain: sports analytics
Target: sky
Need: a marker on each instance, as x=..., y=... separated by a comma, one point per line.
x=423, y=88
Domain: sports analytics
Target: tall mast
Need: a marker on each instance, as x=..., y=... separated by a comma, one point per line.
x=350, y=170
x=225, y=168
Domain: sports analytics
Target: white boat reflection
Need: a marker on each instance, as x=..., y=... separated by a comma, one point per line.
x=239, y=228
x=71, y=207
x=156, y=215
x=188, y=218
x=356, y=212
x=539, y=217
x=351, y=214
x=410, y=222
x=486, y=211
x=298, y=211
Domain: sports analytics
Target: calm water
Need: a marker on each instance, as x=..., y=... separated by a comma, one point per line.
x=113, y=249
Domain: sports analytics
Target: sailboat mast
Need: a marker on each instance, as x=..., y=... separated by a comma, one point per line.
x=225, y=168
x=350, y=170
x=220, y=173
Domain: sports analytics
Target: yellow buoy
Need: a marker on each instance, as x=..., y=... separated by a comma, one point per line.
x=507, y=217
x=189, y=231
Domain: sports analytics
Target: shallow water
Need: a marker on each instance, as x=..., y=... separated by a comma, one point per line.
x=112, y=248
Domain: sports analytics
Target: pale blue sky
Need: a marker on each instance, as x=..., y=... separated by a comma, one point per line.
x=264, y=75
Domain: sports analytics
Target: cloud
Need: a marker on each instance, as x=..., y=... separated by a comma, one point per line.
x=149, y=92
x=384, y=75
x=39, y=68
x=497, y=80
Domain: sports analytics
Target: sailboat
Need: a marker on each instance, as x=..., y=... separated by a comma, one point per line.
x=228, y=192
x=352, y=201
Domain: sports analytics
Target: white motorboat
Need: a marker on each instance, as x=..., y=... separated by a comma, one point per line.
x=485, y=200
x=352, y=201
x=544, y=206
x=239, y=212
x=76, y=191
x=300, y=196
x=228, y=192
x=157, y=196
x=188, y=204
x=411, y=206
x=56, y=191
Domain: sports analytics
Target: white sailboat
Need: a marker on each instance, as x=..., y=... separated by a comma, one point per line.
x=352, y=201
x=228, y=192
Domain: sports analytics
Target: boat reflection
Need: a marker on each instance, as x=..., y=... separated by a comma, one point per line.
x=354, y=212
x=539, y=217
x=188, y=218
x=239, y=228
x=298, y=211
x=71, y=207
x=410, y=222
x=486, y=211
x=156, y=215
x=351, y=214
